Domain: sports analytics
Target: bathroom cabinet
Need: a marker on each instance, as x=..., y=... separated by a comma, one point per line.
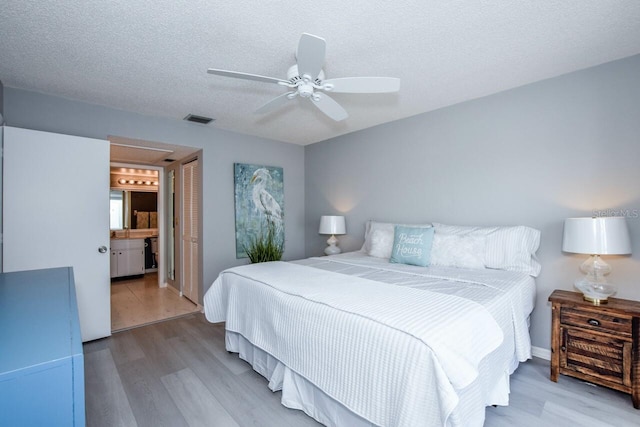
x=127, y=257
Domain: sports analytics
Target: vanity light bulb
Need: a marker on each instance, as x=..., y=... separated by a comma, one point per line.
x=138, y=182
x=122, y=181
x=131, y=181
x=148, y=182
x=155, y=182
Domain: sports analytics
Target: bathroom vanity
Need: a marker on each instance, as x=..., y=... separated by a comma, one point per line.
x=127, y=257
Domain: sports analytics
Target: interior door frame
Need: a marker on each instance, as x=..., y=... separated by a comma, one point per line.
x=172, y=200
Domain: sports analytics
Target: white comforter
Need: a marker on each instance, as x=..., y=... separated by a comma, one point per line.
x=379, y=349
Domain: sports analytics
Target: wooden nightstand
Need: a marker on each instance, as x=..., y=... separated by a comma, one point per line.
x=598, y=344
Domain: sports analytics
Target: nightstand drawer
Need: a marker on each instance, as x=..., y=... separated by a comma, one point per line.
x=604, y=358
x=596, y=321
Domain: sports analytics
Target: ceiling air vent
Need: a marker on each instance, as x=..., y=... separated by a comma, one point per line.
x=198, y=119
x=169, y=160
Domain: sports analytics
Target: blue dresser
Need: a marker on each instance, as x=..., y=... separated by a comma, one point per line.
x=41, y=360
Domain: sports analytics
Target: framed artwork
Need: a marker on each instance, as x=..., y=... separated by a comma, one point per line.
x=259, y=203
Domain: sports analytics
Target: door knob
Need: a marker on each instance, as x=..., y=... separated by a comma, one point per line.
x=102, y=249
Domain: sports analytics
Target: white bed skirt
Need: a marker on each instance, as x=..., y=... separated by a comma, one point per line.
x=299, y=393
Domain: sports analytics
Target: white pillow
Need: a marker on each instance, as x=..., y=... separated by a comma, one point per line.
x=381, y=243
x=370, y=228
x=462, y=251
x=388, y=228
x=507, y=248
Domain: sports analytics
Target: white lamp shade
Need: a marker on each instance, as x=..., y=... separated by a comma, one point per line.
x=332, y=224
x=596, y=236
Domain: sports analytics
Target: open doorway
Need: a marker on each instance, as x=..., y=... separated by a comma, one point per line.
x=144, y=286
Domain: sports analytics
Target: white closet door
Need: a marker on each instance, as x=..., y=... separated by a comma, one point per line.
x=190, y=196
x=56, y=213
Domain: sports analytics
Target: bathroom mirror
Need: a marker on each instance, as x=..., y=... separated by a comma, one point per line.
x=133, y=210
x=118, y=220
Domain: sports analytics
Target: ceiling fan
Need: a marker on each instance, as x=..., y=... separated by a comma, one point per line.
x=307, y=80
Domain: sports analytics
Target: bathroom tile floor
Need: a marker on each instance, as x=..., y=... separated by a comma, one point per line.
x=139, y=301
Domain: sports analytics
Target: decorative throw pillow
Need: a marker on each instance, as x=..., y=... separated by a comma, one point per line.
x=381, y=243
x=387, y=227
x=451, y=250
x=412, y=245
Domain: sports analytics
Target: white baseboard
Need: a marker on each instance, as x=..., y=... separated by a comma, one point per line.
x=542, y=353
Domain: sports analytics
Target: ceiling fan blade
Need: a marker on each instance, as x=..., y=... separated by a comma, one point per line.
x=276, y=102
x=246, y=76
x=310, y=55
x=330, y=107
x=362, y=85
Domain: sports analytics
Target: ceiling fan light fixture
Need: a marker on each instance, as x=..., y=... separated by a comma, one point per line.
x=305, y=90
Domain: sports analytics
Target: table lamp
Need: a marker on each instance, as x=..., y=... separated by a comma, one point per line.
x=332, y=224
x=595, y=237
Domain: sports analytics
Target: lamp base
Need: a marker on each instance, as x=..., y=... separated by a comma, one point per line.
x=595, y=301
x=332, y=249
x=595, y=292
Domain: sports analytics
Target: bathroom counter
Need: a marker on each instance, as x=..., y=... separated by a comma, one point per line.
x=134, y=234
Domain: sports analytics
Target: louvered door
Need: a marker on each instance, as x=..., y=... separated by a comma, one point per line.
x=190, y=227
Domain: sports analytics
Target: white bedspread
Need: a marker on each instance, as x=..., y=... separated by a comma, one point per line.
x=379, y=349
x=509, y=296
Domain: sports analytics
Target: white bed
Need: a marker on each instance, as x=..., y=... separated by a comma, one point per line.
x=354, y=340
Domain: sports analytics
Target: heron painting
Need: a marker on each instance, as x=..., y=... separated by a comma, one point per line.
x=259, y=194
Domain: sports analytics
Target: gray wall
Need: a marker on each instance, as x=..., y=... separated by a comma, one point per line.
x=1, y=150
x=1, y=102
x=220, y=149
x=534, y=155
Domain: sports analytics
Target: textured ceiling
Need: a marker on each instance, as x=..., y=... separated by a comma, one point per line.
x=151, y=56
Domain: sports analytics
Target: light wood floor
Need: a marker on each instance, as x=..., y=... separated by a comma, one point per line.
x=140, y=301
x=177, y=373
